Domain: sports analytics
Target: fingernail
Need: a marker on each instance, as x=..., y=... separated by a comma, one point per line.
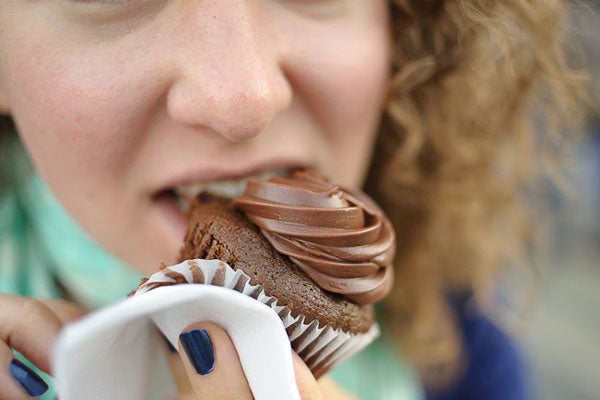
x=169, y=345
x=29, y=380
x=199, y=348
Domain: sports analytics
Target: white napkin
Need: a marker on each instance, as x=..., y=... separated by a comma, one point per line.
x=115, y=352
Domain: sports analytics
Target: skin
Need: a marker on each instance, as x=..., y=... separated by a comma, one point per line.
x=119, y=100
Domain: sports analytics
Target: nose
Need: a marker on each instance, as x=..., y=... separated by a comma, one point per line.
x=229, y=78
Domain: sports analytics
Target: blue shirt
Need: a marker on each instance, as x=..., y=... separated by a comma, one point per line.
x=494, y=368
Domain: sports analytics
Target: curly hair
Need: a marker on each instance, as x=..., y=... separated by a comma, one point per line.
x=458, y=150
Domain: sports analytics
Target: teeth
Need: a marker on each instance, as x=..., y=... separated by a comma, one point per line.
x=231, y=188
x=182, y=204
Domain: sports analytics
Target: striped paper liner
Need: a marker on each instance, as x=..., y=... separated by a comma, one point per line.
x=321, y=347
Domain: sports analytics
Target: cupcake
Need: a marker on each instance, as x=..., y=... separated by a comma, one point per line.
x=318, y=254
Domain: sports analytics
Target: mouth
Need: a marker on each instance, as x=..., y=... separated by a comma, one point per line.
x=181, y=196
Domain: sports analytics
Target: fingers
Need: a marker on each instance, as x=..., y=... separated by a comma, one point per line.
x=311, y=389
x=307, y=384
x=64, y=310
x=213, y=369
x=178, y=372
x=10, y=388
x=212, y=364
x=31, y=327
x=331, y=390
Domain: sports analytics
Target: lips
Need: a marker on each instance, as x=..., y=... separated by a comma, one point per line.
x=230, y=188
x=182, y=195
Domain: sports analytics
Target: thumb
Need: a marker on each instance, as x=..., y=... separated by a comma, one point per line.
x=212, y=364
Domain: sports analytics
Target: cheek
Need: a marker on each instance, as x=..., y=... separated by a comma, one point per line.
x=62, y=104
x=345, y=94
x=64, y=141
x=84, y=137
x=354, y=113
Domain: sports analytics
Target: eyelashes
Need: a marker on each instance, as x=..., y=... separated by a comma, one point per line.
x=108, y=19
x=126, y=9
x=109, y=4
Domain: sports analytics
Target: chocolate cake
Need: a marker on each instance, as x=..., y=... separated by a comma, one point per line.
x=319, y=255
x=219, y=231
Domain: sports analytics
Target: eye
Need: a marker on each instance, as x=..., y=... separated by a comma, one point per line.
x=110, y=5
x=113, y=10
x=106, y=2
x=321, y=8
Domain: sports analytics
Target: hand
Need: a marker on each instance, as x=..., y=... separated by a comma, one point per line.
x=207, y=367
x=31, y=327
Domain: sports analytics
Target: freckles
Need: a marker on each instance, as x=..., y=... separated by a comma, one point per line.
x=90, y=195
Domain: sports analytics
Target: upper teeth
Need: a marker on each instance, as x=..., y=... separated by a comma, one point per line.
x=231, y=188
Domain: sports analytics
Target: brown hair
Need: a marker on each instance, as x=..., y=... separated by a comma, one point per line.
x=457, y=151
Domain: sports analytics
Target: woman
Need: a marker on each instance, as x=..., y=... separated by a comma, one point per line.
x=118, y=103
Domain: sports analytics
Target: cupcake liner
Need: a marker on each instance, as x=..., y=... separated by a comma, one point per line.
x=321, y=347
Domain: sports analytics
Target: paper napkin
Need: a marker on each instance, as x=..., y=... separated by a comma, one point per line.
x=115, y=353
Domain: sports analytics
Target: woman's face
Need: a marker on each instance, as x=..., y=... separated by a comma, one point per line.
x=122, y=102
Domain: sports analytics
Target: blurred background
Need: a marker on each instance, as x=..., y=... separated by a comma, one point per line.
x=563, y=337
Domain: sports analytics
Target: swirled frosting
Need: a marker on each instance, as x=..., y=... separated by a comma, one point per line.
x=340, y=239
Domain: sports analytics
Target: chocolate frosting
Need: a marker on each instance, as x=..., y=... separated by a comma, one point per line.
x=340, y=239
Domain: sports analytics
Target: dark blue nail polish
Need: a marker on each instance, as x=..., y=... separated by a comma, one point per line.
x=29, y=380
x=199, y=348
